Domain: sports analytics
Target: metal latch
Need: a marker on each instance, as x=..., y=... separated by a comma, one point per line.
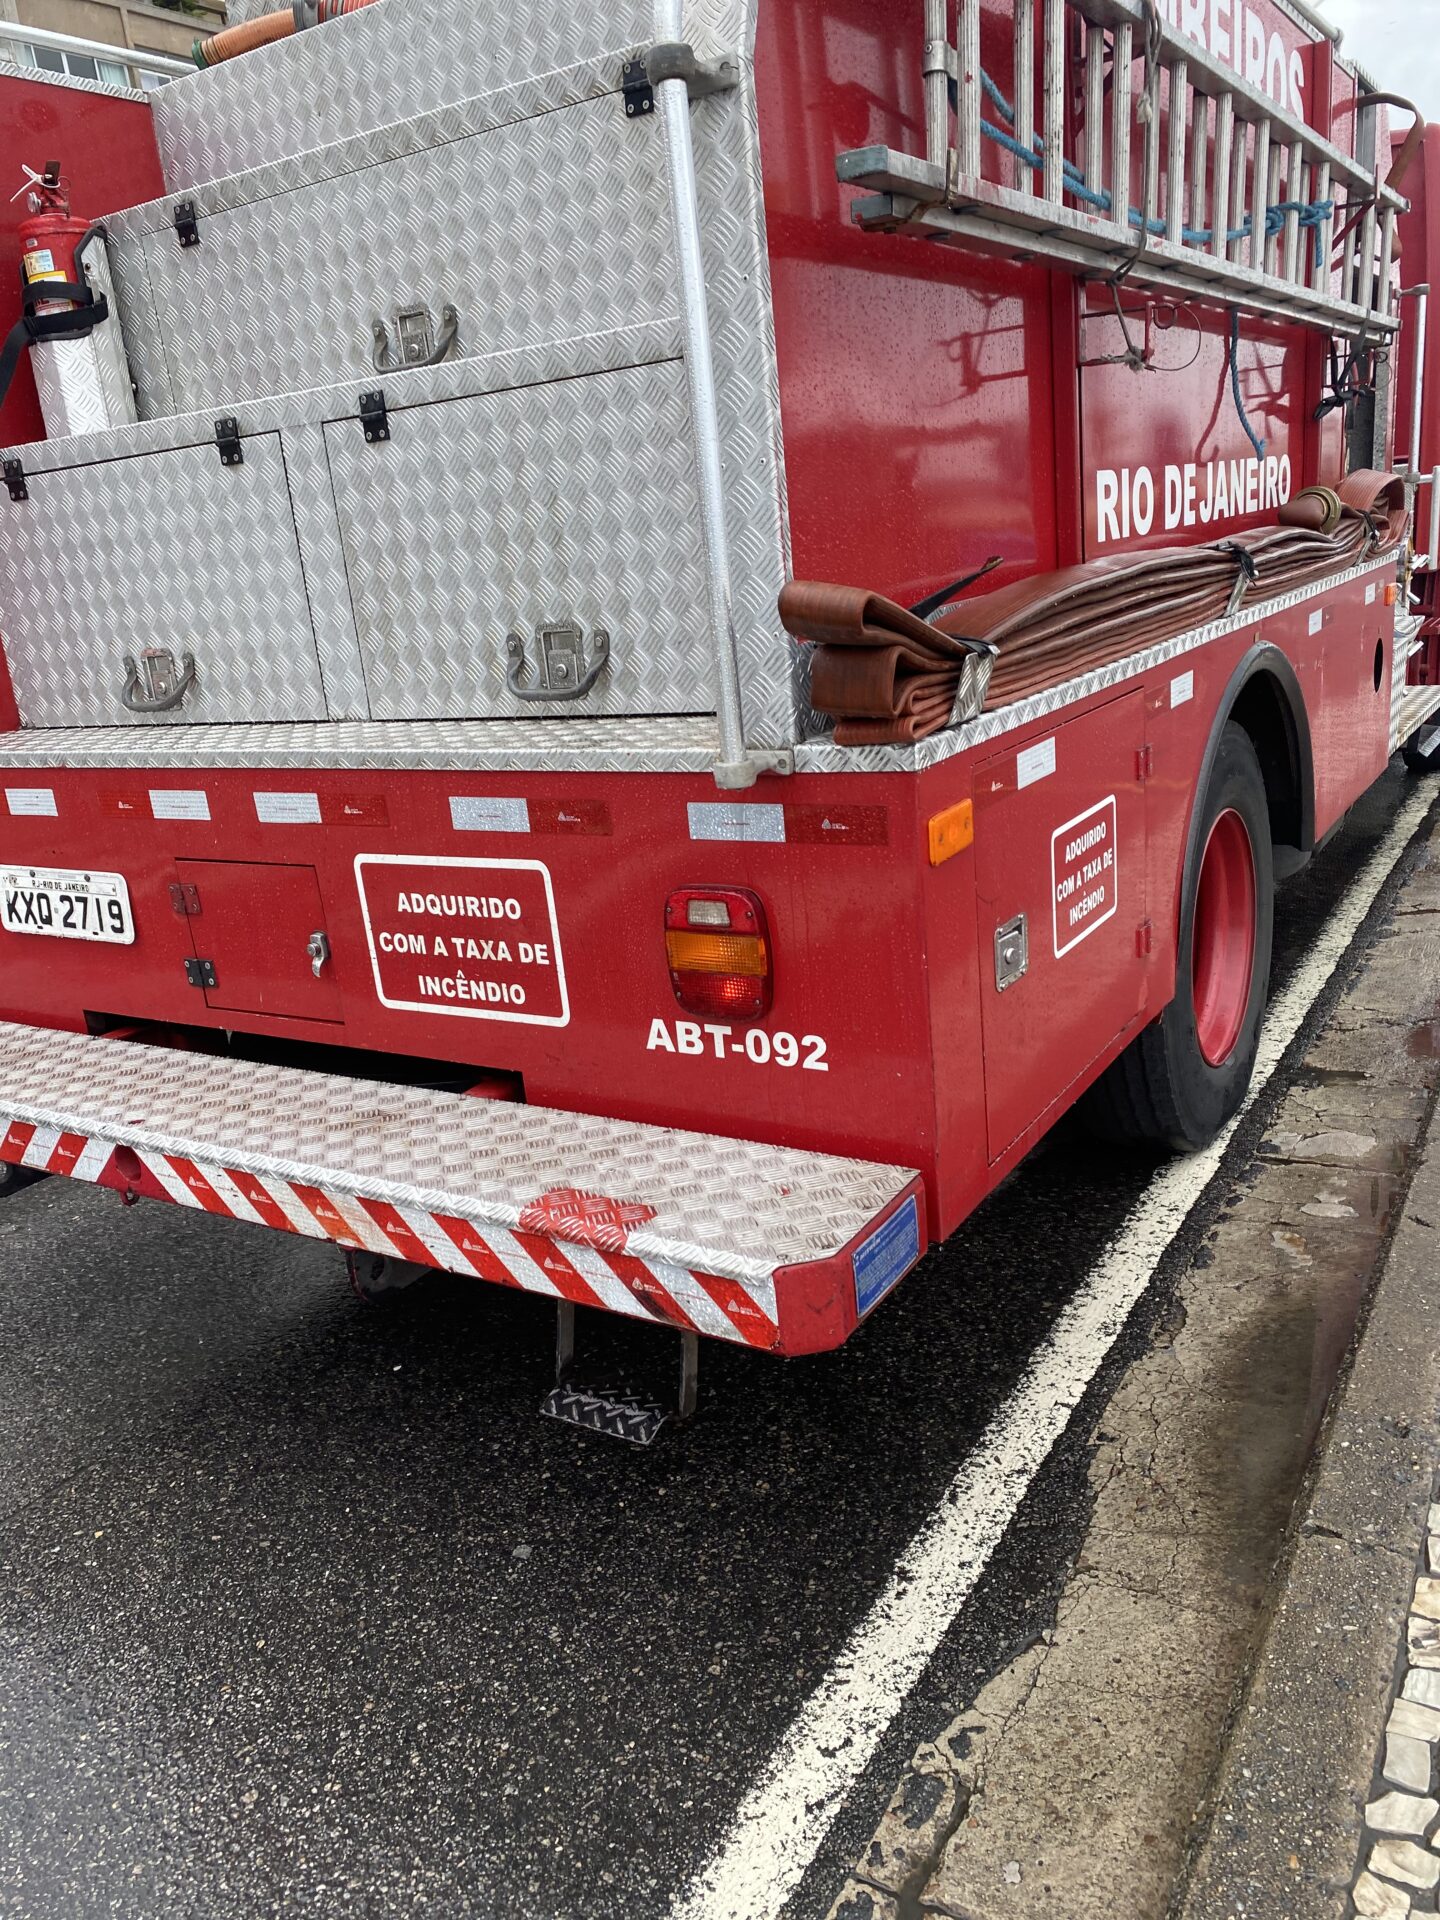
x=227, y=439
x=186, y=225
x=200, y=973
x=1012, y=952
x=374, y=416
x=318, y=948
x=563, y=672
x=153, y=683
x=416, y=339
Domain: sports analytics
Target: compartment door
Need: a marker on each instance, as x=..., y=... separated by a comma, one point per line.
x=171, y=551
x=568, y=505
x=1060, y=873
x=254, y=920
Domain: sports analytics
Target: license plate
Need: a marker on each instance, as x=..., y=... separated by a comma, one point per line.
x=66, y=904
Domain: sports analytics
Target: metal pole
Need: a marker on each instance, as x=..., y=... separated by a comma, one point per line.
x=1422, y=306
x=732, y=769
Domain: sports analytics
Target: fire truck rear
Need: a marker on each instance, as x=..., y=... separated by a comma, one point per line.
x=641, y=639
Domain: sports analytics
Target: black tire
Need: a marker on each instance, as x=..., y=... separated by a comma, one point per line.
x=1162, y=1089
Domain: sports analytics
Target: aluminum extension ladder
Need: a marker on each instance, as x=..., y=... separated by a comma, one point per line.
x=1238, y=200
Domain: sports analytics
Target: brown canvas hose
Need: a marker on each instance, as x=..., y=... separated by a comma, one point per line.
x=884, y=675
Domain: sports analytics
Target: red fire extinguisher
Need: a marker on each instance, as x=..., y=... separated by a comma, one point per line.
x=51, y=236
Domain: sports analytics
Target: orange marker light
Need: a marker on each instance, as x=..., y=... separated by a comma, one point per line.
x=951, y=832
x=1392, y=594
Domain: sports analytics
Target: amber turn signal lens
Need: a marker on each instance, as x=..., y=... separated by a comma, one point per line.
x=716, y=953
x=951, y=832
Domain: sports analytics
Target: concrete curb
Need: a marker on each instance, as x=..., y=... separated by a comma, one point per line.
x=1286, y=1831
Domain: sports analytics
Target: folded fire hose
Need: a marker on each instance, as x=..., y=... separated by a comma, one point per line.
x=886, y=675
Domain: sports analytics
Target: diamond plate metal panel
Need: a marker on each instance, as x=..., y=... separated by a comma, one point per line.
x=477, y=223
x=657, y=744
x=732, y=1207
x=170, y=550
x=572, y=501
x=322, y=557
x=386, y=63
x=773, y=669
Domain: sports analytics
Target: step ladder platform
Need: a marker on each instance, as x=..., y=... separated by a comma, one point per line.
x=684, y=1227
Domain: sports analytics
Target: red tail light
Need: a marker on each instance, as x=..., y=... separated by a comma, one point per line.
x=718, y=949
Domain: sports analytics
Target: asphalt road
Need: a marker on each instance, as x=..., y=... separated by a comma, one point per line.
x=303, y=1610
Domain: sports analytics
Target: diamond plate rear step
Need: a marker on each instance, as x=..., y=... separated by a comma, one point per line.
x=772, y=1247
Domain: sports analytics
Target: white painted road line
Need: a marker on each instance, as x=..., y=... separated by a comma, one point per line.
x=778, y=1827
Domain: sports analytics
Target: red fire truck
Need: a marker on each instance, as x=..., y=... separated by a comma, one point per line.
x=641, y=639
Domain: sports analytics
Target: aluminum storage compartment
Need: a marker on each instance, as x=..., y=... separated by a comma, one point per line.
x=389, y=62
x=536, y=214
x=169, y=552
x=542, y=480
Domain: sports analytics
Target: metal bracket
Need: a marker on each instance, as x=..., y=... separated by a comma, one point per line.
x=15, y=480
x=317, y=949
x=186, y=225
x=676, y=60
x=227, y=439
x=635, y=86
x=733, y=776
x=635, y=1418
x=152, y=684
x=374, y=416
x=563, y=673
x=1012, y=952
x=201, y=973
x=416, y=339
x=184, y=898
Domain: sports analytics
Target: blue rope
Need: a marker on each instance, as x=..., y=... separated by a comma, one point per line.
x=1254, y=438
x=1308, y=213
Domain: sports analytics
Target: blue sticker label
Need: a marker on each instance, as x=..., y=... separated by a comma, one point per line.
x=886, y=1256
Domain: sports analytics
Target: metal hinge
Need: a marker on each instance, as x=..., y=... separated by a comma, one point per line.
x=184, y=898
x=636, y=88
x=1144, y=763
x=1144, y=939
x=374, y=415
x=227, y=439
x=15, y=480
x=200, y=973
x=186, y=225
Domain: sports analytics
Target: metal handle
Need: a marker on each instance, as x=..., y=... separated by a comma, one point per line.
x=138, y=702
x=385, y=362
x=318, y=948
x=539, y=690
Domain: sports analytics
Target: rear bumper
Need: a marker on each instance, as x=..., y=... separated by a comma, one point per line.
x=771, y=1247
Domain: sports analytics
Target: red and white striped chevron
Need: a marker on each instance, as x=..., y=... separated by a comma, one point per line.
x=589, y=1267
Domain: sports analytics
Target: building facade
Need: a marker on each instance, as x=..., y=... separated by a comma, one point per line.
x=130, y=26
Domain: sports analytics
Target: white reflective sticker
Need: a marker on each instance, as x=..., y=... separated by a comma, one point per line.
x=1035, y=763
x=288, y=809
x=735, y=820
x=1182, y=688
x=180, y=803
x=1317, y=620
x=31, y=800
x=1370, y=594
x=1083, y=874
x=479, y=813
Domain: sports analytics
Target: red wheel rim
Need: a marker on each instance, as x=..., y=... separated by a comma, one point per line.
x=1222, y=950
